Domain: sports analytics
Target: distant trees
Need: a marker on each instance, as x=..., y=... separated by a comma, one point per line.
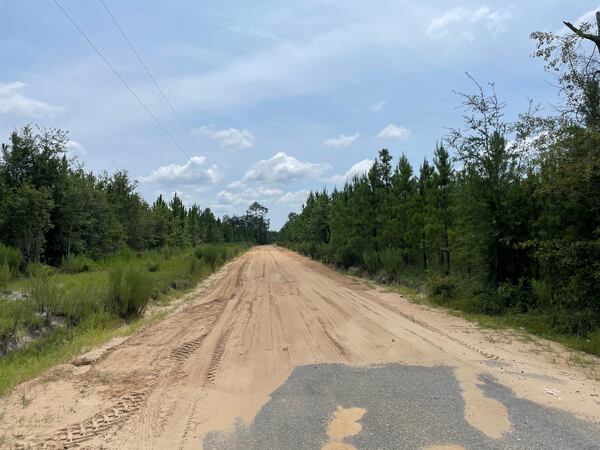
x=50, y=207
x=510, y=222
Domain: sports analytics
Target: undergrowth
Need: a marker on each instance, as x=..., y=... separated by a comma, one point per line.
x=61, y=312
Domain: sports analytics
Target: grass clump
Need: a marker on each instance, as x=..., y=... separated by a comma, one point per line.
x=43, y=291
x=6, y=275
x=76, y=264
x=129, y=291
x=11, y=257
x=55, y=314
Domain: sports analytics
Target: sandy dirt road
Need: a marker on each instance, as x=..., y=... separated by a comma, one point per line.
x=277, y=351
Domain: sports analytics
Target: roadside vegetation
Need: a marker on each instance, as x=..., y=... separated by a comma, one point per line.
x=82, y=256
x=51, y=315
x=504, y=224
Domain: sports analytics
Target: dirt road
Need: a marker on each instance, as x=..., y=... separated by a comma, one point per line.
x=277, y=351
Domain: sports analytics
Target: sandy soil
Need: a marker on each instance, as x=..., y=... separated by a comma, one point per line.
x=216, y=358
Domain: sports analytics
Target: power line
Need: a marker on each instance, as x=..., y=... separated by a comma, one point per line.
x=139, y=58
x=107, y=62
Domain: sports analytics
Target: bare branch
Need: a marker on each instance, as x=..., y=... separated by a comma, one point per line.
x=591, y=37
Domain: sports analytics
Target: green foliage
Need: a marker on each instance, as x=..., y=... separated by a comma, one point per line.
x=6, y=275
x=370, y=260
x=10, y=257
x=443, y=287
x=515, y=230
x=14, y=315
x=129, y=291
x=391, y=260
x=76, y=264
x=43, y=291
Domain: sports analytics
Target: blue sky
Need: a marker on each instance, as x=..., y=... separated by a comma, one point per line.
x=281, y=97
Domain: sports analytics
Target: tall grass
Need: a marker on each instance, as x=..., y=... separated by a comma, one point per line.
x=69, y=310
x=14, y=315
x=129, y=291
x=5, y=275
x=43, y=291
x=11, y=257
x=76, y=264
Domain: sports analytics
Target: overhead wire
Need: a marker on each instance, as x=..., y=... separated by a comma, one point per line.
x=121, y=79
x=149, y=73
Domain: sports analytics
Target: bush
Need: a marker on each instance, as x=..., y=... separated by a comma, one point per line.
x=346, y=257
x=129, y=290
x=76, y=264
x=43, y=291
x=5, y=275
x=14, y=315
x=391, y=260
x=11, y=257
x=153, y=266
x=371, y=261
x=443, y=287
x=212, y=254
x=195, y=267
x=81, y=303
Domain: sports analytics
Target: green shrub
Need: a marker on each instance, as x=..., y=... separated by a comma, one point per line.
x=80, y=303
x=212, y=254
x=129, y=290
x=76, y=264
x=153, y=266
x=14, y=315
x=43, y=291
x=5, y=275
x=391, y=260
x=345, y=256
x=11, y=257
x=195, y=267
x=371, y=261
x=443, y=287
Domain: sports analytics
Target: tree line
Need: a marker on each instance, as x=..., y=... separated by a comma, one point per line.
x=51, y=207
x=505, y=218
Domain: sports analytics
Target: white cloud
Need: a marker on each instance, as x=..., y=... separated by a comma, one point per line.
x=376, y=107
x=13, y=101
x=246, y=196
x=394, y=132
x=342, y=141
x=194, y=172
x=282, y=168
x=75, y=149
x=229, y=201
x=457, y=19
x=293, y=199
x=360, y=168
x=229, y=137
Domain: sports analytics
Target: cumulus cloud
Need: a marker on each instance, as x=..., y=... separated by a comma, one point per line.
x=282, y=168
x=229, y=137
x=457, y=19
x=14, y=101
x=341, y=141
x=194, y=172
x=227, y=200
x=293, y=199
x=394, y=132
x=360, y=168
x=248, y=195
